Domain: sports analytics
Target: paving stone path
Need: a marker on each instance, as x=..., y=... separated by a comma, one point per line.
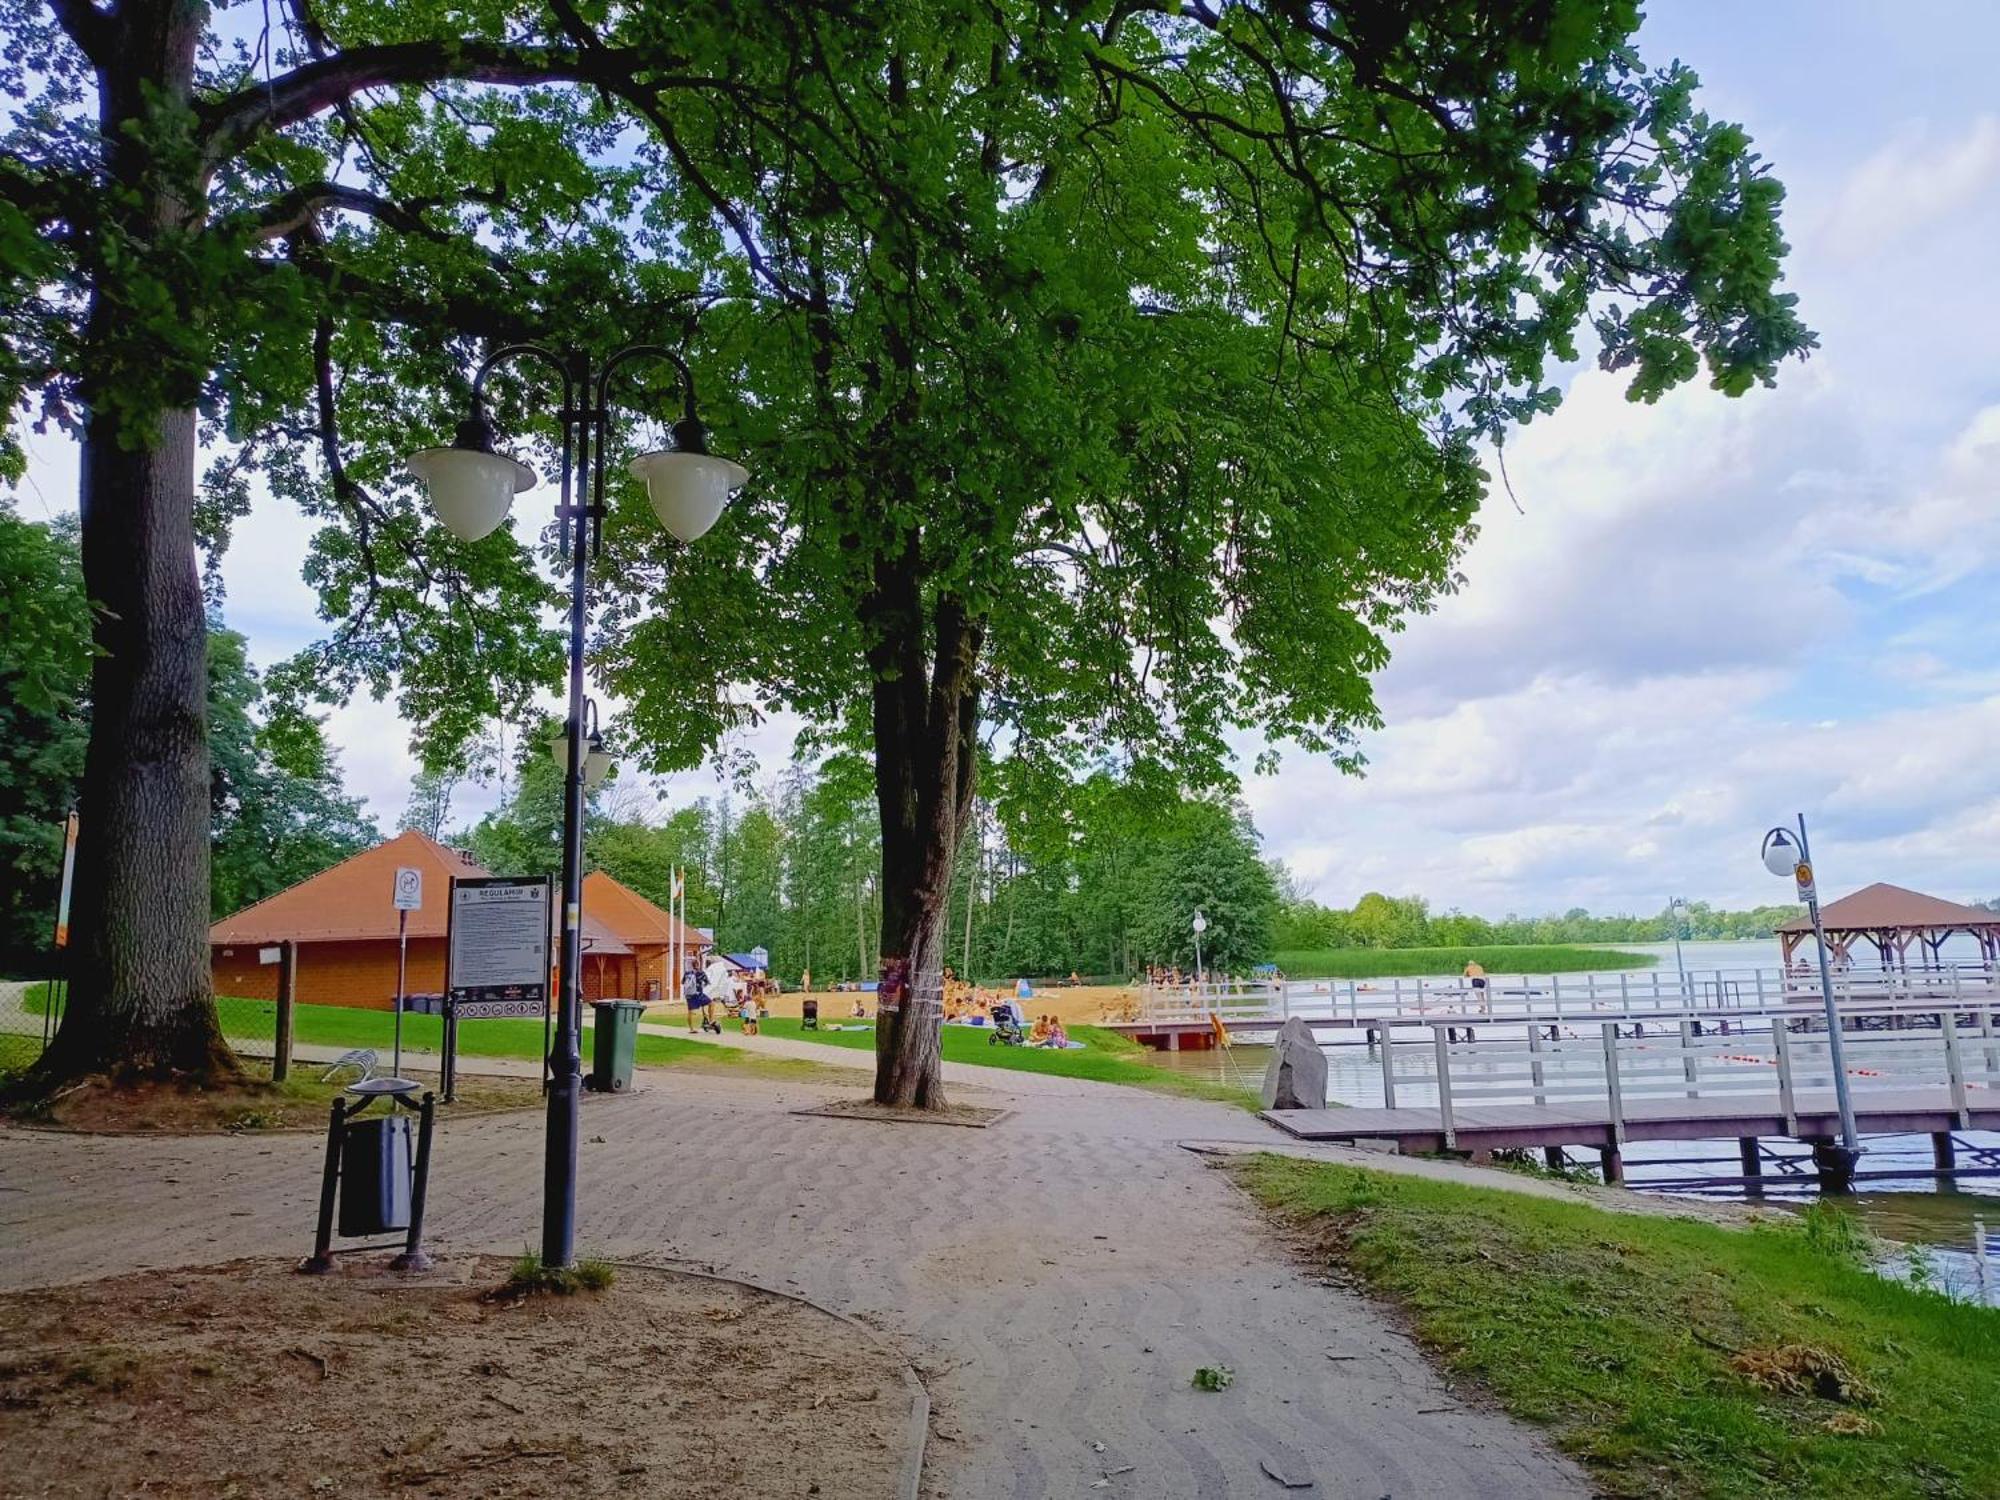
x=1056, y=1278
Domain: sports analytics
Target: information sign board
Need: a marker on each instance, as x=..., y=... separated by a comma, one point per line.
x=499, y=947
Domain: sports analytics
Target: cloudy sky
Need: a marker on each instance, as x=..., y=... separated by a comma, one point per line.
x=1708, y=614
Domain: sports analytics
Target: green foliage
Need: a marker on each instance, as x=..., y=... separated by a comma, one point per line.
x=1107, y=326
x=44, y=690
x=1213, y=1378
x=1378, y=921
x=530, y=1276
x=1643, y=1343
x=278, y=812
x=1204, y=858
x=1113, y=375
x=1837, y=1233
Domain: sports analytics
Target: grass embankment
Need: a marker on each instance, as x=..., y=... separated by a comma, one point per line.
x=1669, y=1356
x=347, y=1027
x=1106, y=1057
x=1496, y=959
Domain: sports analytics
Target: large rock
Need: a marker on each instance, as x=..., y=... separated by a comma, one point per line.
x=1296, y=1075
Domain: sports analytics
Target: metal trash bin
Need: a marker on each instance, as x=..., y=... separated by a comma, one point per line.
x=809, y=1015
x=615, y=1045
x=375, y=1166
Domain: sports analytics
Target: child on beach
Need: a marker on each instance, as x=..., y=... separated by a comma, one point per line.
x=749, y=1015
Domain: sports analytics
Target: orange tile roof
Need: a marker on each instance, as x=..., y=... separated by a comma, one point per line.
x=635, y=919
x=353, y=901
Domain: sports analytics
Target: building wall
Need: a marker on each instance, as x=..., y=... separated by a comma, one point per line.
x=357, y=974
x=364, y=974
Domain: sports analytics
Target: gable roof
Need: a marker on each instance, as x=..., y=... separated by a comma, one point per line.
x=635, y=919
x=1881, y=907
x=353, y=901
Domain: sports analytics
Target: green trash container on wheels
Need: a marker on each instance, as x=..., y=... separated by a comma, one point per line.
x=616, y=1045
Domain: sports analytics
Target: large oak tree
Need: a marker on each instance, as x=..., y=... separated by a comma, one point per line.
x=1112, y=372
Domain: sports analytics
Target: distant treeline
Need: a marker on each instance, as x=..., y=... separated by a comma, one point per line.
x=1378, y=921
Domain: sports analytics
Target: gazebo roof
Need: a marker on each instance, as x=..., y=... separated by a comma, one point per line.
x=1884, y=908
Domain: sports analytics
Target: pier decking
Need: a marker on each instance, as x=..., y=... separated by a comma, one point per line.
x=1487, y=1128
x=1910, y=1066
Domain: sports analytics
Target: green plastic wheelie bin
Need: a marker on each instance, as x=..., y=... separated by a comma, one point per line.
x=615, y=1046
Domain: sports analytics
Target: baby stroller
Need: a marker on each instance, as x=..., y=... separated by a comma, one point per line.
x=1007, y=1030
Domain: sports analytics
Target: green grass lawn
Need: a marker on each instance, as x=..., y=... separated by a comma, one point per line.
x=346, y=1026
x=1497, y=958
x=1106, y=1057
x=1633, y=1339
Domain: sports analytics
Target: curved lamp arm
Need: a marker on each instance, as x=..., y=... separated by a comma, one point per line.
x=689, y=435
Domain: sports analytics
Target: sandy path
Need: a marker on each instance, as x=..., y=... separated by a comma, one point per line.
x=1057, y=1278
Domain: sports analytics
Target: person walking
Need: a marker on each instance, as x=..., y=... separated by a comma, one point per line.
x=694, y=984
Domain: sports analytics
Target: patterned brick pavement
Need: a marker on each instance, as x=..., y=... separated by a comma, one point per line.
x=1056, y=1278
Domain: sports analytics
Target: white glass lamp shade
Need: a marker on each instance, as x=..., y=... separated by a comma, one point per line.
x=688, y=490
x=1200, y=922
x=471, y=491
x=597, y=761
x=1781, y=852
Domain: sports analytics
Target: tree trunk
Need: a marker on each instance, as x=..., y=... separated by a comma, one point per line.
x=926, y=736
x=142, y=1000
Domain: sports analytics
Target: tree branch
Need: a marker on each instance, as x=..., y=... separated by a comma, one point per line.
x=229, y=123
x=87, y=26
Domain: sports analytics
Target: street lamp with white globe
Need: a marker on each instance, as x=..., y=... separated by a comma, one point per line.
x=1200, y=925
x=1786, y=853
x=472, y=487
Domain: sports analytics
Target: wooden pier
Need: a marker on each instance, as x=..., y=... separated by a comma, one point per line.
x=1911, y=1069
x=1184, y=1016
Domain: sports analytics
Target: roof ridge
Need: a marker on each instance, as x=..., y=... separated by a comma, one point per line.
x=443, y=852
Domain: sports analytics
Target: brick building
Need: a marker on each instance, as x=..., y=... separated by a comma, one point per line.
x=344, y=922
x=649, y=932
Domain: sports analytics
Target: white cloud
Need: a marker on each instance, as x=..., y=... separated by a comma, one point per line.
x=1920, y=177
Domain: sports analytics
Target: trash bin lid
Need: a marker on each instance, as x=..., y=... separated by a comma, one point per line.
x=375, y=1088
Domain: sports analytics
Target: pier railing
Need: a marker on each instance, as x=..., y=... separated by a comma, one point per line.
x=1891, y=1049
x=1623, y=993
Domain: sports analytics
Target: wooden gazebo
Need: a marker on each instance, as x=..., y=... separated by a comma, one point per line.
x=1893, y=920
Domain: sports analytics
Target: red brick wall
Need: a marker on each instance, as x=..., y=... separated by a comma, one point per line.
x=364, y=974
x=357, y=974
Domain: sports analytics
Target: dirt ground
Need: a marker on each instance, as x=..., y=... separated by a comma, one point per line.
x=250, y=1380
x=300, y=1103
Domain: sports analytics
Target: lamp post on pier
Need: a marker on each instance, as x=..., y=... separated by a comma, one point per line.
x=1200, y=925
x=1677, y=909
x=1787, y=853
x=472, y=488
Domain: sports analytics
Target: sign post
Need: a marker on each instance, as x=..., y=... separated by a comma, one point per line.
x=409, y=898
x=51, y=1017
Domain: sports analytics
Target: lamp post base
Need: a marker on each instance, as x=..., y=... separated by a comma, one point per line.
x=1835, y=1164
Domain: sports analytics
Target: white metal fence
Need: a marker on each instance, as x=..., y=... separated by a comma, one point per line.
x=1625, y=993
x=1604, y=1069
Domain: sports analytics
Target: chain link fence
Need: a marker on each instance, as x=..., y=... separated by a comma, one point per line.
x=31, y=1011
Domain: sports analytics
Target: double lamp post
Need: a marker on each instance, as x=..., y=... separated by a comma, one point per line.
x=472, y=488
